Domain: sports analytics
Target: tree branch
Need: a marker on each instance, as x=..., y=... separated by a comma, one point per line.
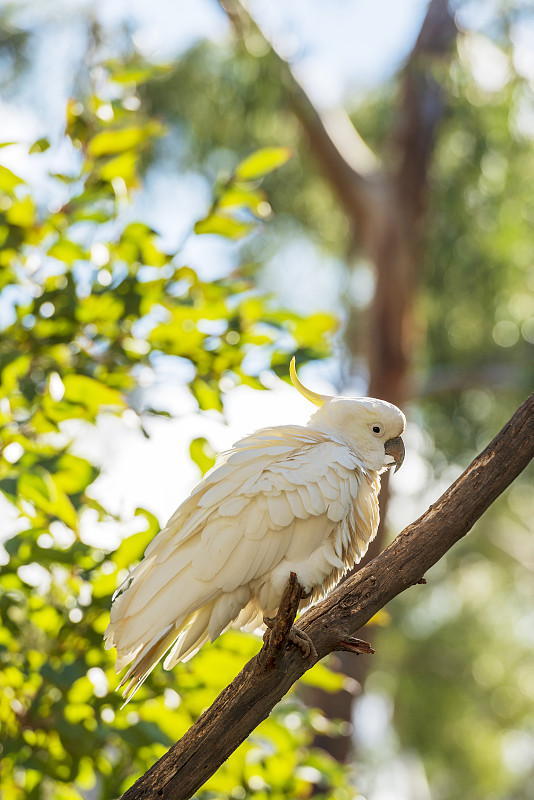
x=249, y=699
x=350, y=165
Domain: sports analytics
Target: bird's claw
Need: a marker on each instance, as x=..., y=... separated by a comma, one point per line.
x=302, y=641
x=295, y=636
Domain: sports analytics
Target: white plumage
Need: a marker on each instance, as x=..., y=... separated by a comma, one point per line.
x=285, y=499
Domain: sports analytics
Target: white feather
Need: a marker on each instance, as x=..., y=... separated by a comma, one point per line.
x=297, y=506
x=279, y=510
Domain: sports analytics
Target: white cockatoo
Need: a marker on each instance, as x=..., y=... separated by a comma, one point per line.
x=284, y=499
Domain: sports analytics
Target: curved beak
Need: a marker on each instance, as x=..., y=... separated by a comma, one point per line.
x=395, y=447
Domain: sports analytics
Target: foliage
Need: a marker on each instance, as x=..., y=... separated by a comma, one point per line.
x=482, y=207
x=453, y=665
x=91, y=299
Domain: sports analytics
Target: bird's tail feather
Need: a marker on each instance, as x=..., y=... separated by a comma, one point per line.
x=187, y=637
x=146, y=660
x=193, y=635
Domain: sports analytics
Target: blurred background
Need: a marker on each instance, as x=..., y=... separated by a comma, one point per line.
x=190, y=194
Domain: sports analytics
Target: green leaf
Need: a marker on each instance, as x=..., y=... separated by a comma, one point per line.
x=262, y=162
x=121, y=166
x=202, y=453
x=67, y=251
x=12, y=372
x=116, y=141
x=98, y=308
x=40, y=146
x=135, y=71
x=153, y=525
x=43, y=492
x=240, y=197
x=324, y=678
x=223, y=226
x=73, y=473
x=206, y=394
x=132, y=548
x=21, y=213
x=152, y=255
x=8, y=179
x=313, y=329
x=35, y=488
x=88, y=392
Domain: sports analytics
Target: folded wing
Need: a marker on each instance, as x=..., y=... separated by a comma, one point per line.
x=284, y=499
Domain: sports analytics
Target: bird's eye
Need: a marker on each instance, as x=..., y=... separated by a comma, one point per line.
x=377, y=429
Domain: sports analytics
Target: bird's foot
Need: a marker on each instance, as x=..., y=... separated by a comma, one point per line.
x=280, y=629
x=353, y=645
x=294, y=636
x=302, y=641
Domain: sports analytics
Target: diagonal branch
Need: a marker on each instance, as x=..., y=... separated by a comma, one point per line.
x=249, y=699
x=348, y=163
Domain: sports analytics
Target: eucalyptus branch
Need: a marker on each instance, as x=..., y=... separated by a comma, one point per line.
x=347, y=161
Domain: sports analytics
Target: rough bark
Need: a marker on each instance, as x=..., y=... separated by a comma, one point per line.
x=264, y=681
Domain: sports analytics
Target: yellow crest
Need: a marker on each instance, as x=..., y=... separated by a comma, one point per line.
x=318, y=399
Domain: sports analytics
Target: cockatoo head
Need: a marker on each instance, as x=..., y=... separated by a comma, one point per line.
x=372, y=428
